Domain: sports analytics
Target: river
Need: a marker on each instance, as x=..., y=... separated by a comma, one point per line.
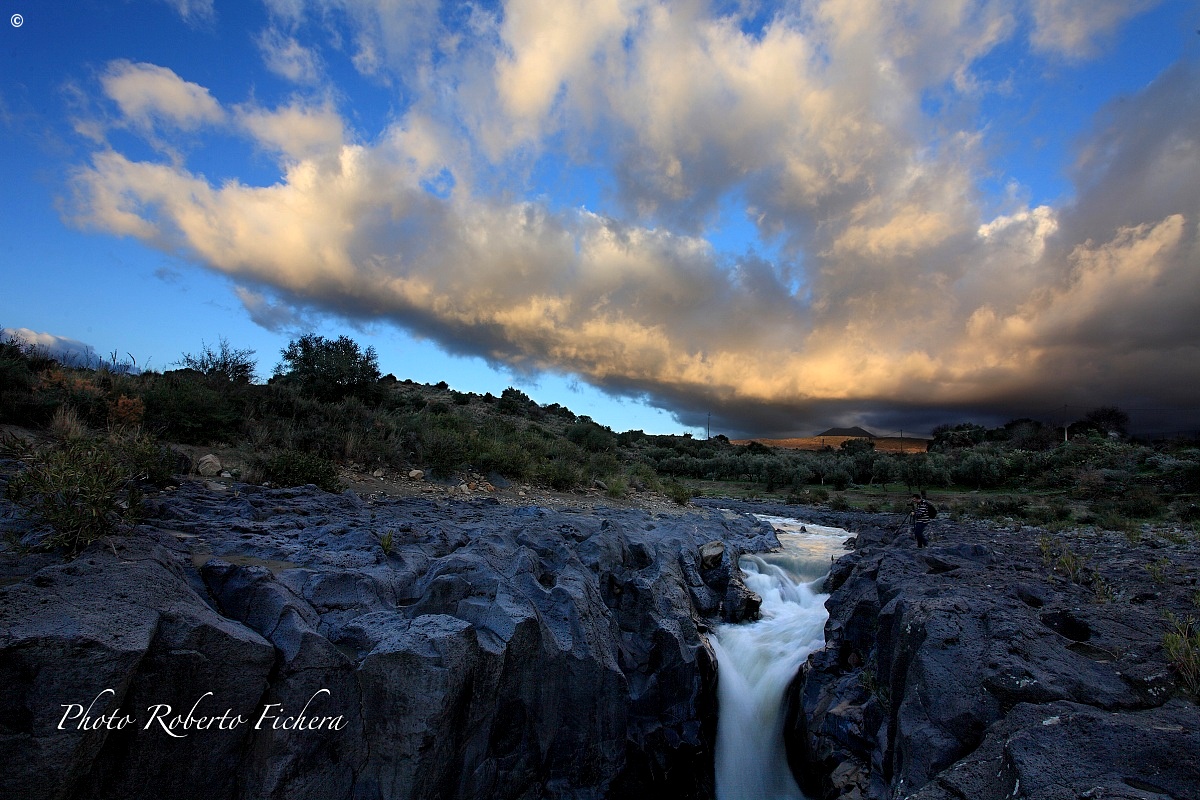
x=757, y=660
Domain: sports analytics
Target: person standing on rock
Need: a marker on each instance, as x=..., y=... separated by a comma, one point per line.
x=922, y=511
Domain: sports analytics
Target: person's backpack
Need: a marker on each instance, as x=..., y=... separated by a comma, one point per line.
x=931, y=508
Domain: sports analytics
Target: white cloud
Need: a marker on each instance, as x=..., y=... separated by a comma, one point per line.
x=149, y=94
x=286, y=57
x=68, y=351
x=897, y=288
x=297, y=131
x=1076, y=28
x=389, y=38
x=192, y=10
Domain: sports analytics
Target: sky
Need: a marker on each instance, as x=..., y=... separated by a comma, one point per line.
x=745, y=217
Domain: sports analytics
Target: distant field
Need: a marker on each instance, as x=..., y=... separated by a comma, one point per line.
x=886, y=444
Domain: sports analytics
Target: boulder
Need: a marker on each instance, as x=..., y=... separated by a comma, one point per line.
x=209, y=466
x=711, y=554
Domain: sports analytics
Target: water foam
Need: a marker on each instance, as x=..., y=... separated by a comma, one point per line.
x=756, y=661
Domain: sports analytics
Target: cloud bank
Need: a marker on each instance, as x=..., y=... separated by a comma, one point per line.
x=895, y=292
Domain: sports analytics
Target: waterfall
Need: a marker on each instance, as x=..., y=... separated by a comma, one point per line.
x=756, y=661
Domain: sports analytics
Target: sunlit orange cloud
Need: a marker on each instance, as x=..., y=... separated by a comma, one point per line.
x=909, y=297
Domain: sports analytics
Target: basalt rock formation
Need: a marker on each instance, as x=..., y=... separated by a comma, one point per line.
x=259, y=643
x=999, y=662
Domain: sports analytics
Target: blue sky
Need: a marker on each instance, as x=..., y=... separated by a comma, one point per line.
x=786, y=215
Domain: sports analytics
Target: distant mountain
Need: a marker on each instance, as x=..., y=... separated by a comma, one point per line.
x=856, y=432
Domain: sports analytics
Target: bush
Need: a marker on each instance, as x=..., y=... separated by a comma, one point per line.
x=443, y=450
x=225, y=363
x=642, y=477
x=330, y=369
x=147, y=459
x=616, y=487
x=679, y=493
x=294, y=468
x=839, y=503
x=184, y=406
x=1138, y=503
x=559, y=474
x=77, y=388
x=515, y=402
x=1182, y=643
x=591, y=437
x=83, y=488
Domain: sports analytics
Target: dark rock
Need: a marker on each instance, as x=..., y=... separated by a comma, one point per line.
x=121, y=627
x=1070, y=750
x=942, y=665
x=493, y=652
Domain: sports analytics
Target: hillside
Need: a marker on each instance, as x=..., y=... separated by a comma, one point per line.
x=884, y=444
x=336, y=423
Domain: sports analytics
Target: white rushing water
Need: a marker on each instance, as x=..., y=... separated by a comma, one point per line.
x=757, y=660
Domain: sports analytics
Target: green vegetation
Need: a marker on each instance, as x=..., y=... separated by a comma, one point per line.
x=330, y=369
x=225, y=363
x=86, y=487
x=327, y=405
x=294, y=468
x=1182, y=643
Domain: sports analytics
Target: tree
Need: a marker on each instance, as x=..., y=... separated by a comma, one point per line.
x=330, y=369
x=1107, y=419
x=964, y=434
x=225, y=363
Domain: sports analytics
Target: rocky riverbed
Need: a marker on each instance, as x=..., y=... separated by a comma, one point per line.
x=251, y=642
x=267, y=643
x=1002, y=661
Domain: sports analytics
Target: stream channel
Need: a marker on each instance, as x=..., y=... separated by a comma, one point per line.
x=757, y=660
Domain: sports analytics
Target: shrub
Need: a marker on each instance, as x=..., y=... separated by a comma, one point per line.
x=591, y=437
x=82, y=488
x=1055, y=511
x=1003, y=506
x=126, y=411
x=679, y=493
x=616, y=488
x=144, y=458
x=443, y=450
x=1182, y=643
x=225, y=363
x=294, y=468
x=184, y=406
x=642, y=476
x=560, y=474
x=59, y=386
x=330, y=369
x=66, y=424
x=515, y=402
x=16, y=378
x=603, y=465
x=839, y=503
